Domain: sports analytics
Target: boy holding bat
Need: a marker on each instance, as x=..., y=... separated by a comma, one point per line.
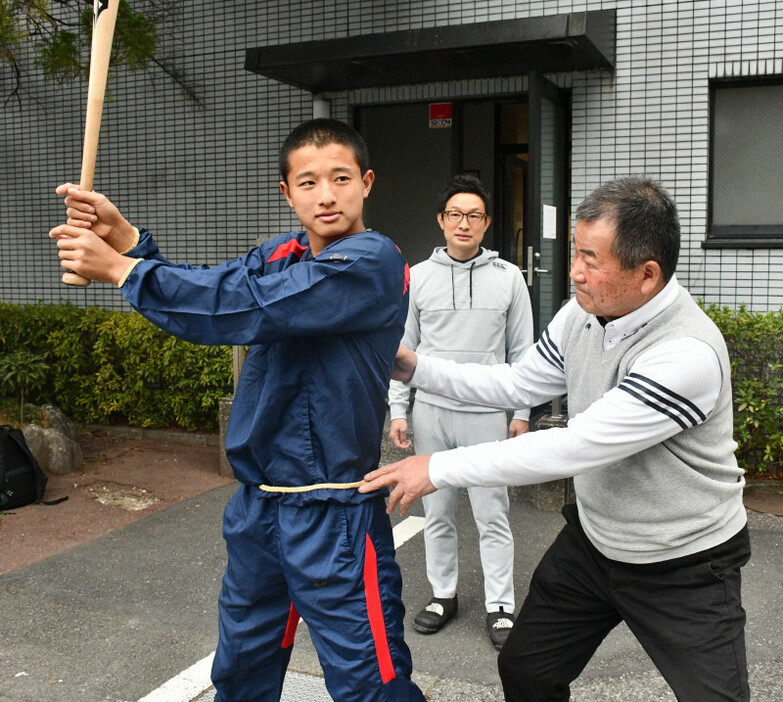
x=322, y=311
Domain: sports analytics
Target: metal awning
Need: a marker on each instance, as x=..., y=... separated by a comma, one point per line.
x=571, y=42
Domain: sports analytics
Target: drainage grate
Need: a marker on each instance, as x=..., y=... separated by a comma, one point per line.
x=297, y=687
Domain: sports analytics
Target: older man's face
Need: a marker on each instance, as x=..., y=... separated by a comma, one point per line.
x=603, y=288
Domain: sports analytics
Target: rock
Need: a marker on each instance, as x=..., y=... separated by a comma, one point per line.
x=53, y=417
x=36, y=442
x=54, y=445
x=65, y=455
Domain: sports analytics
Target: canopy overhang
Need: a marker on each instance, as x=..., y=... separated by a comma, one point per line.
x=577, y=41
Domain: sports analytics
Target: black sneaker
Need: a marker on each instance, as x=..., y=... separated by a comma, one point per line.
x=499, y=625
x=435, y=615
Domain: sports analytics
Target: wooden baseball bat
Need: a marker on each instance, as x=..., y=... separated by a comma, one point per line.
x=103, y=21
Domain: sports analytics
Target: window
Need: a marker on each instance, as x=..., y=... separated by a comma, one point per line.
x=746, y=165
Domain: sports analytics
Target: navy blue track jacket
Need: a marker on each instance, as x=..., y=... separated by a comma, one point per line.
x=322, y=334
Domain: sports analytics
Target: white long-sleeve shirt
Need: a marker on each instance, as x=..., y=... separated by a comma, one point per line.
x=681, y=384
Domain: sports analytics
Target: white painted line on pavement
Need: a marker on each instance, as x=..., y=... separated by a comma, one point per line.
x=407, y=529
x=195, y=680
x=185, y=686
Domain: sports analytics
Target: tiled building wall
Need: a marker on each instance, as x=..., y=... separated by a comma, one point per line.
x=204, y=175
x=652, y=116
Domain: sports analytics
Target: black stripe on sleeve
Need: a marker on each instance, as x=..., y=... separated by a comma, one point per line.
x=548, y=349
x=655, y=406
x=660, y=400
x=645, y=390
x=677, y=398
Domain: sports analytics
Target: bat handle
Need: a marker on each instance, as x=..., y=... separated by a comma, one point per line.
x=88, y=170
x=71, y=278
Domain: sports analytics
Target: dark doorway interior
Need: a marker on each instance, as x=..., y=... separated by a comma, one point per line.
x=414, y=157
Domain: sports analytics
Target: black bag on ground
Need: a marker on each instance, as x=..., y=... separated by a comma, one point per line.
x=21, y=479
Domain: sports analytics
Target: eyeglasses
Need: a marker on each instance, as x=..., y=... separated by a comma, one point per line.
x=455, y=216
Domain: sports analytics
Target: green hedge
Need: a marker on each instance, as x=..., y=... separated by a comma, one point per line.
x=108, y=367
x=755, y=343
x=117, y=368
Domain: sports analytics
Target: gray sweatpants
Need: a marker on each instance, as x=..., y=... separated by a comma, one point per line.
x=438, y=429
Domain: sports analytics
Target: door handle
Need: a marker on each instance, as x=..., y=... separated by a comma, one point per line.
x=532, y=269
x=537, y=256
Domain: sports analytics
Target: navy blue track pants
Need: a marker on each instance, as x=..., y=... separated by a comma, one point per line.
x=334, y=565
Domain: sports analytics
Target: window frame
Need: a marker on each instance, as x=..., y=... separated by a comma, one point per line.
x=737, y=236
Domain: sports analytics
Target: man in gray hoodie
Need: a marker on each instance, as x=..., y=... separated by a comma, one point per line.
x=468, y=305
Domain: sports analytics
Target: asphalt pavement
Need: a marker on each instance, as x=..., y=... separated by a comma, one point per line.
x=114, y=619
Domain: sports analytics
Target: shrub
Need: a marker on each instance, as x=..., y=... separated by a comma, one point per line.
x=755, y=343
x=113, y=367
x=22, y=372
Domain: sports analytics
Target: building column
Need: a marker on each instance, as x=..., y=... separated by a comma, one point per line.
x=321, y=108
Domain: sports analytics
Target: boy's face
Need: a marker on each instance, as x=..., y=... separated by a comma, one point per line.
x=326, y=190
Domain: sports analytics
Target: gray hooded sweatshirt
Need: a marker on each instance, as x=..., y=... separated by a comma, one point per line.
x=475, y=311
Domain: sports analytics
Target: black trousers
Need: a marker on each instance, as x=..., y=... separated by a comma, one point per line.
x=687, y=614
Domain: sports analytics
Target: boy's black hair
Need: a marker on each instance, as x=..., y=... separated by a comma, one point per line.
x=464, y=183
x=322, y=132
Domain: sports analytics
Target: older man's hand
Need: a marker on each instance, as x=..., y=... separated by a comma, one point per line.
x=404, y=365
x=411, y=476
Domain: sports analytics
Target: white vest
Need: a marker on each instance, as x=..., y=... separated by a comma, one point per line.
x=678, y=497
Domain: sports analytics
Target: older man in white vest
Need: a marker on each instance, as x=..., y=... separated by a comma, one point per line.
x=658, y=534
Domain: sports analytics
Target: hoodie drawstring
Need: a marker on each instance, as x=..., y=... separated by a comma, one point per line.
x=471, y=284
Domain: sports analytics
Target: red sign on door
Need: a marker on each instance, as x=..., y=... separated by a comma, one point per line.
x=440, y=115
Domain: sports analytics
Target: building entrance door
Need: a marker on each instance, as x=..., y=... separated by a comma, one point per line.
x=532, y=194
x=517, y=147
x=546, y=249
